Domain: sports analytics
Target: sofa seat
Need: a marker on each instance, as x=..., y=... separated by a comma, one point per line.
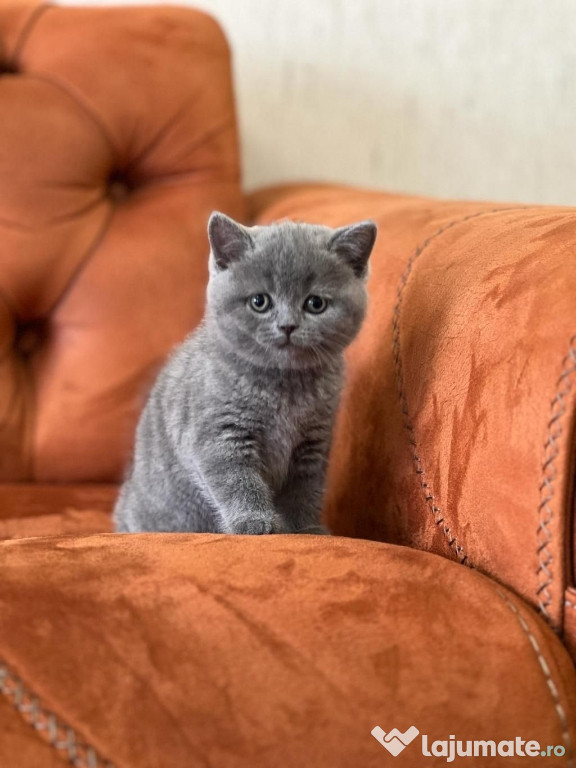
x=44, y=509
x=208, y=650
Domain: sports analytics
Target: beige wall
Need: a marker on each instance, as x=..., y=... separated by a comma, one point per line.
x=454, y=98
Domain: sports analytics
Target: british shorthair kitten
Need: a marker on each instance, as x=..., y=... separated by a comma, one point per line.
x=235, y=435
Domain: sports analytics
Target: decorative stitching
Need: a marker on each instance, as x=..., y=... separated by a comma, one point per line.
x=438, y=515
x=552, y=687
x=545, y=573
x=50, y=727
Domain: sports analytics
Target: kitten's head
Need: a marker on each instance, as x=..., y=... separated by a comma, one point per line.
x=288, y=295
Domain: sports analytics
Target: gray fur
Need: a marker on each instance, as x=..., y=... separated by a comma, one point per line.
x=236, y=432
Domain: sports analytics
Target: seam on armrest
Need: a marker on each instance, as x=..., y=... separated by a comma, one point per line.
x=50, y=727
x=545, y=572
x=552, y=687
x=438, y=515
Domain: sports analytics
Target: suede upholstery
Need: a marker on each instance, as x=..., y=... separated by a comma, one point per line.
x=456, y=436
x=462, y=383
x=103, y=208
x=274, y=651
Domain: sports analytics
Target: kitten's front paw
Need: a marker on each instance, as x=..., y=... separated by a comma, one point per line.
x=254, y=527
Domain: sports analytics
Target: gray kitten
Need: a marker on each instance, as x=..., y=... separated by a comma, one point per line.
x=235, y=435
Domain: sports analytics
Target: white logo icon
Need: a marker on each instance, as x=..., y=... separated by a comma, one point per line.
x=395, y=741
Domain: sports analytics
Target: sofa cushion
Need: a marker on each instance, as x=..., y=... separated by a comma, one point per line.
x=457, y=428
x=118, y=139
x=229, y=651
x=41, y=509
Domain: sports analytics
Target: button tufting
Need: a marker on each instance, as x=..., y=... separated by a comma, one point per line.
x=119, y=187
x=8, y=68
x=30, y=337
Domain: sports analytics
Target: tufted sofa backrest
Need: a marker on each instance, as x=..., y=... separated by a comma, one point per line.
x=117, y=140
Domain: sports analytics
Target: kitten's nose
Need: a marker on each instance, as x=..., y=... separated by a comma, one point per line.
x=287, y=329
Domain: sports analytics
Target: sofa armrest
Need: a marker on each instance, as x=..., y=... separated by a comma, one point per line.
x=456, y=432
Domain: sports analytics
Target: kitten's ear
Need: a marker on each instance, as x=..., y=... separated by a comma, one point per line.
x=354, y=244
x=229, y=241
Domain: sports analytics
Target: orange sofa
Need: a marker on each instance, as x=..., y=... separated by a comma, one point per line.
x=445, y=603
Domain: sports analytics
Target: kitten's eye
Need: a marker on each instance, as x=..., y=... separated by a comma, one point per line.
x=260, y=302
x=315, y=305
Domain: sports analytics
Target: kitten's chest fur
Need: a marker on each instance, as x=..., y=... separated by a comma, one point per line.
x=278, y=414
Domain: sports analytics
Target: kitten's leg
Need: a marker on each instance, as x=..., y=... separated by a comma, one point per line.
x=243, y=498
x=137, y=510
x=299, y=502
x=234, y=481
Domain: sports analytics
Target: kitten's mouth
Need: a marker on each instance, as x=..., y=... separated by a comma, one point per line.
x=288, y=345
